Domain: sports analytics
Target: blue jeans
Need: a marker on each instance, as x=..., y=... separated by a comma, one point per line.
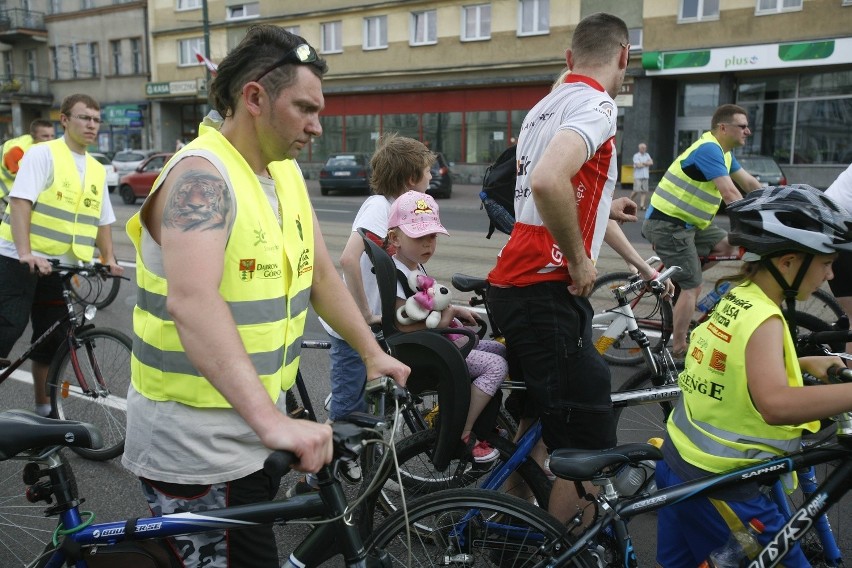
x=348, y=376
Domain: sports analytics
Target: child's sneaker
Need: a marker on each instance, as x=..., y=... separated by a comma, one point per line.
x=482, y=451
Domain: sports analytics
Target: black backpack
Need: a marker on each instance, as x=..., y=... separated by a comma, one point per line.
x=498, y=192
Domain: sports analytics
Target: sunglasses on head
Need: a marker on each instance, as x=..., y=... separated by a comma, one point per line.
x=302, y=54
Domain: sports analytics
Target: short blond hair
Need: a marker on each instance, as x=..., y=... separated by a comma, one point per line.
x=396, y=161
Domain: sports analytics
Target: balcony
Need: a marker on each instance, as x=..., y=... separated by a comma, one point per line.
x=17, y=25
x=33, y=90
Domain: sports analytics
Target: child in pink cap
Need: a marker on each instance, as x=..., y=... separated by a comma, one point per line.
x=413, y=228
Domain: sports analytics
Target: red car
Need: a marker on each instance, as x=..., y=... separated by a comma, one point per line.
x=138, y=183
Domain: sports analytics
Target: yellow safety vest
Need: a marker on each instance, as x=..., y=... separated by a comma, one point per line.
x=266, y=282
x=678, y=195
x=715, y=425
x=7, y=178
x=66, y=215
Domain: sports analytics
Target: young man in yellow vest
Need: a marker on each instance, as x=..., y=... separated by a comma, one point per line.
x=679, y=221
x=229, y=254
x=58, y=208
x=41, y=130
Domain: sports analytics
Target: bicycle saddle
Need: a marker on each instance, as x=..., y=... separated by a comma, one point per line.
x=23, y=430
x=465, y=283
x=583, y=465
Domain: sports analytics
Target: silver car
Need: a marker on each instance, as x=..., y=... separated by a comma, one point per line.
x=111, y=174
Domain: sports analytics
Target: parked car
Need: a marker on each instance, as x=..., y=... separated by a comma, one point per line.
x=138, y=184
x=764, y=168
x=111, y=174
x=127, y=161
x=441, y=184
x=350, y=171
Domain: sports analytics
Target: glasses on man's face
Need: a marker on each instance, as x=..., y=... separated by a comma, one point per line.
x=302, y=54
x=741, y=126
x=86, y=118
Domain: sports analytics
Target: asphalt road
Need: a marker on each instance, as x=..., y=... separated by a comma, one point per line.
x=113, y=493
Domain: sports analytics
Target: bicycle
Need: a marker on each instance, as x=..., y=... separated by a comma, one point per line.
x=89, y=374
x=817, y=313
x=446, y=528
x=77, y=538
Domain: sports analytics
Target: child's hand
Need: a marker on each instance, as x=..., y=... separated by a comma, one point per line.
x=464, y=315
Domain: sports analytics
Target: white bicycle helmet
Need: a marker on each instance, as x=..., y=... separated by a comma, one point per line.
x=789, y=218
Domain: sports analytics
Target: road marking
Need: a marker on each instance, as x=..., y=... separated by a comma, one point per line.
x=113, y=401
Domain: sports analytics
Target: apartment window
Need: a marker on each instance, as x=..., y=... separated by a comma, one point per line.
x=187, y=49
x=54, y=61
x=533, y=17
x=94, y=60
x=476, y=22
x=86, y=4
x=115, y=54
x=8, y=68
x=331, y=37
x=698, y=10
x=293, y=30
x=776, y=6
x=376, y=32
x=635, y=39
x=188, y=4
x=32, y=64
x=242, y=11
x=75, y=61
x=136, y=55
x=424, y=27
x=55, y=6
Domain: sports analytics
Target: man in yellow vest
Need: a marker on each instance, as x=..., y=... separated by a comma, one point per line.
x=41, y=130
x=679, y=221
x=229, y=255
x=58, y=208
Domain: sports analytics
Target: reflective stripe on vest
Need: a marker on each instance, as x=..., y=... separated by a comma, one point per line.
x=66, y=215
x=715, y=425
x=267, y=274
x=680, y=196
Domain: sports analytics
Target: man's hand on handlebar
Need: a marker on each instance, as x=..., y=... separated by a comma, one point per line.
x=37, y=264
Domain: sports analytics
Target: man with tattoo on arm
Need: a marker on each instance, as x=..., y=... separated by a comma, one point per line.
x=229, y=253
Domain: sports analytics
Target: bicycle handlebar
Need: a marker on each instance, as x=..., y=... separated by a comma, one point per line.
x=94, y=268
x=838, y=374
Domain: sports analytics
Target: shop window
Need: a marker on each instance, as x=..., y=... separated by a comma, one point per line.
x=486, y=135
x=362, y=132
x=442, y=132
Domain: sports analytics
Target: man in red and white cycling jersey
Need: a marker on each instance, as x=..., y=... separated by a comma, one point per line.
x=563, y=201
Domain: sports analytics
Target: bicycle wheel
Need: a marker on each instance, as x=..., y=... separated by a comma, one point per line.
x=821, y=305
x=641, y=422
x=103, y=360
x=470, y=527
x=654, y=318
x=25, y=532
x=419, y=477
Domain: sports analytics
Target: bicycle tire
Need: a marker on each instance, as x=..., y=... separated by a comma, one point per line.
x=419, y=477
x=654, y=319
x=430, y=520
x=641, y=422
x=111, y=350
x=822, y=305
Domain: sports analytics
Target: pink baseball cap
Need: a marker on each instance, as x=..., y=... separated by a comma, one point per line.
x=416, y=214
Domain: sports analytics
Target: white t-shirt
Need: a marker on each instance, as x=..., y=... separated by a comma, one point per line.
x=841, y=189
x=373, y=216
x=641, y=172
x=35, y=176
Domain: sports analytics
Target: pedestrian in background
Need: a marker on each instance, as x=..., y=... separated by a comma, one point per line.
x=642, y=163
x=41, y=130
x=59, y=207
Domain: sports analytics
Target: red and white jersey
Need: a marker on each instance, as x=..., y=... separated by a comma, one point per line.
x=532, y=255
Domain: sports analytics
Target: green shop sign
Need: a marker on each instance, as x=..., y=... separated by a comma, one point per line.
x=748, y=57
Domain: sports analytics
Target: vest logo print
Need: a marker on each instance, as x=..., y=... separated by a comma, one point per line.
x=299, y=228
x=697, y=354
x=247, y=267
x=720, y=333
x=718, y=361
x=268, y=271
x=305, y=265
x=260, y=237
x=94, y=189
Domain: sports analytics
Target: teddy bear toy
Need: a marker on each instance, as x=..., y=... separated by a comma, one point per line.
x=426, y=304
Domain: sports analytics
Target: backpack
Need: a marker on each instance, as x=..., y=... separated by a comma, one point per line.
x=498, y=192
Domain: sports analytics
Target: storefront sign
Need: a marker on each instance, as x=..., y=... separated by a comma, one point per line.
x=122, y=115
x=749, y=57
x=171, y=88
